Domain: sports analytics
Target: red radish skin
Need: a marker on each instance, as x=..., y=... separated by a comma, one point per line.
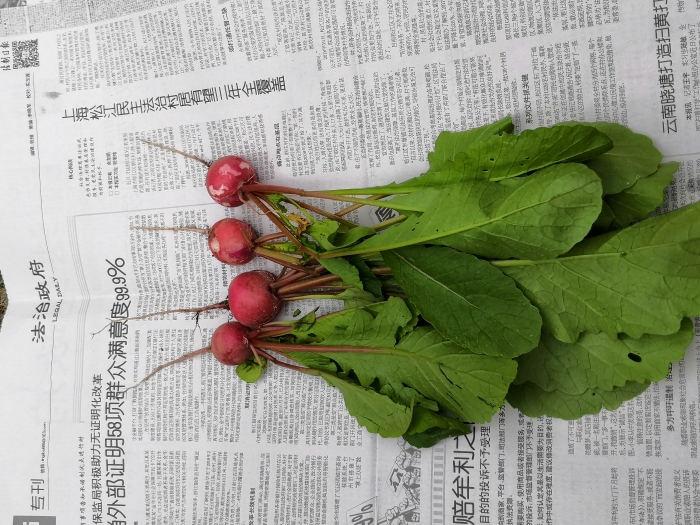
x=251, y=300
x=230, y=241
x=230, y=345
x=226, y=176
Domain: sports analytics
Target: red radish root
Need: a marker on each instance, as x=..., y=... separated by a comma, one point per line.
x=251, y=300
x=231, y=241
x=230, y=345
x=225, y=178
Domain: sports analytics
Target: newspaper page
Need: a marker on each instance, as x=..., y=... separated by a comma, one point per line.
x=315, y=94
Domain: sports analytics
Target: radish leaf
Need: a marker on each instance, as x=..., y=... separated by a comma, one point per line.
x=250, y=370
x=596, y=361
x=449, y=143
x=504, y=156
x=536, y=217
x=467, y=300
x=470, y=386
x=376, y=412
x=331, y=234
x=428, y=428
x=639, y=200
x=643, y=279
x=343, y=269
x=535, y=402
x=632, y=157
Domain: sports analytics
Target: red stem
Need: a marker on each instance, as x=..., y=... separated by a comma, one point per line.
x=354, y=207
x=270, y=237
x=290, y=347
x=292, y=276
x=306, y=284
x=335, y=290
x=301, y=369
x=268, y=254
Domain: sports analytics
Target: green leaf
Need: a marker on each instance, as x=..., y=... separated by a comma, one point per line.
x=467, y=300
x=276, y=199
x=470, y=386
x=343, y=269
x=536, y=217
x=449, y=144
x=639, y=200
x=505, y=156
x=352, y=298
x=428, y=428
x=643, y=279
x=326, y=325
x=306, y=322
x=375, y=331
x=596, y=361
x=632, y=157
x=331, y=234
x=535, y=402
x=376, y=412
x=408, y=396
x=355, y=272
x=370, y=282
x=604, y=221
x=250, y=371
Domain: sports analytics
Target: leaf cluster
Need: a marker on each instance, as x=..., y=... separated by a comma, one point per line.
x=527, y=270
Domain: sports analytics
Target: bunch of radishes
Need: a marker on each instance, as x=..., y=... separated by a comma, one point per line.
x=254, y=297
x=503, y=252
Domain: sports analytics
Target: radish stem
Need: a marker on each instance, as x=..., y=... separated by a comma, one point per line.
x=306, y=284
x=354, y=207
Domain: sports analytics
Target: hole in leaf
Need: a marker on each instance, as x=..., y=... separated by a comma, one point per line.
x=522, y=165
x=634, y=357
x=485, y=171
x=592, y=393
x=527, y=158
x=491, y=159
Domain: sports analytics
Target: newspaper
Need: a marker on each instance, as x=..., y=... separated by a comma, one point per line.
x=315, y=94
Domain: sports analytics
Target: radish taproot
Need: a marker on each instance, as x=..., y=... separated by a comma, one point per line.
x=251, y=300
x=225, y=178
x=232, y=241
x=229, y=344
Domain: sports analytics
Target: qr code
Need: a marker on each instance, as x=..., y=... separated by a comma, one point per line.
x=25, y=53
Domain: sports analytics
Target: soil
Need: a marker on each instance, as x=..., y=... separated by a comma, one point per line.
x=3, y=300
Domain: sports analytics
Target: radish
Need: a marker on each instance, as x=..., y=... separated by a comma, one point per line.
x=225, y=178
x=229, y=344
x=256, y=297
x=251, y=300
x=231, y=241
